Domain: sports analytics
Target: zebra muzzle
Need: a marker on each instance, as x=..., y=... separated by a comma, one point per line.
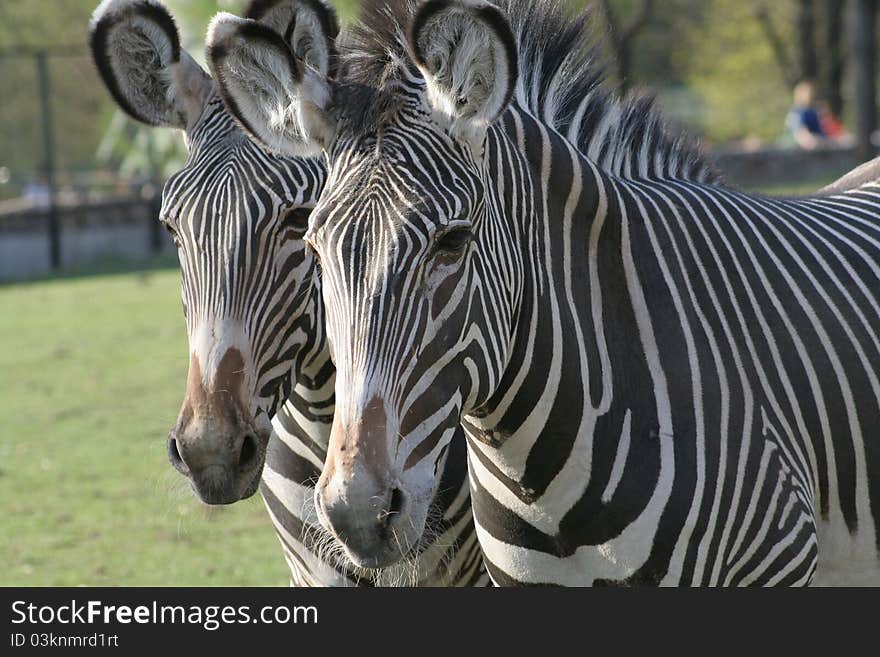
x=359, y=498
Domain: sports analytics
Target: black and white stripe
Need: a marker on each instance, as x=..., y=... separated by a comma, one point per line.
x=245, y=271
x=238, y=215
x=663, y=381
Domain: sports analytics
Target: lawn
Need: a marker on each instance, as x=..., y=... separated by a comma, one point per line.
x=798, y=189
x=92, y=374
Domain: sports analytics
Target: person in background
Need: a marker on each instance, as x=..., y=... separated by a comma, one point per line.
x=803, y=122
x=831, y=125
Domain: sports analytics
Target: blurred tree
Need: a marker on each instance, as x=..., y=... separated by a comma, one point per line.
x=865, y=56
x=819, y=44
x=622, y=33
x=80, y=105
x=808, y=61
x=39, y=24
x=834, y=57
x=776, y=42
x=735, y=75
x=193, y=16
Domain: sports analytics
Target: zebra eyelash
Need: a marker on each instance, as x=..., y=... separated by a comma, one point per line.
x=453, y=240
x=310, y=246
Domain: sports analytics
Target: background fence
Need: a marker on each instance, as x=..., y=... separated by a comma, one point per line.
x=123, y=228
x=83, y=231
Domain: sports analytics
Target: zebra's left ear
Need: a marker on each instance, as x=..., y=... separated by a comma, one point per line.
x=466, y=51
x=309, y=27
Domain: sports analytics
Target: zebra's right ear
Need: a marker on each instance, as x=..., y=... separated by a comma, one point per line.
x=277, y=98
x=466, y=52
x=136, y=48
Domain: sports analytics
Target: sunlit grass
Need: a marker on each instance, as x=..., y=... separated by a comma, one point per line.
x=798, y=189
x=92, y=373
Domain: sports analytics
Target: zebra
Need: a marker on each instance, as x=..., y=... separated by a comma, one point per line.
x=663, y=380
x=254, y=320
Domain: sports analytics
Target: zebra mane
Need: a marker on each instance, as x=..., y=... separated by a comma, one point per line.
x=561, y=78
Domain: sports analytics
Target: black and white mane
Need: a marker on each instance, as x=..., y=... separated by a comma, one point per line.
x=562, y=81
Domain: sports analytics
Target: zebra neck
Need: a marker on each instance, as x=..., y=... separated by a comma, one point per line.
x=574, y=312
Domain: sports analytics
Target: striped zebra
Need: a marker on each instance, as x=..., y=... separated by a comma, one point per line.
x=253, y=313
x=663, y=380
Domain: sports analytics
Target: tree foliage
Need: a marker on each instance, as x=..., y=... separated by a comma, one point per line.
x=723, y=68
x=733, y=71
x=80, y=107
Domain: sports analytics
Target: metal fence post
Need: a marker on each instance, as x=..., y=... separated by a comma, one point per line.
x=49, y=157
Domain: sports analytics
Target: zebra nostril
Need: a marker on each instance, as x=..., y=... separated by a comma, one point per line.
x=395, y=508
x=174, y=455
x=396, y=501
x=248, y=451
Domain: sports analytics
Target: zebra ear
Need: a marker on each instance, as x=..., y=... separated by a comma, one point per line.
x=275, y=97
x=136, y=48
x=466, y=52
x=309, y=27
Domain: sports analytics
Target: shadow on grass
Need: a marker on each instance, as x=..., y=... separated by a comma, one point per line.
x=103, y=267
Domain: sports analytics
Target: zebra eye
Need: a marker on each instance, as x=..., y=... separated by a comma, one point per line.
x=453, y=240
x=296, y=219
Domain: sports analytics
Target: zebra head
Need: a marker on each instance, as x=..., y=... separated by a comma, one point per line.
x=402, y=232
x=237, y=215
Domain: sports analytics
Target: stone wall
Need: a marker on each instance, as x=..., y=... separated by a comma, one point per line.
x=127, y=228
x=88, y=232
x=776, y=166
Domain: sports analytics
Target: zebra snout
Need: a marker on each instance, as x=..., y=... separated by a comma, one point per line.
x=370, y=519
x=221, y=469
x=363, y=496
x=218, y=443
x=247, y=454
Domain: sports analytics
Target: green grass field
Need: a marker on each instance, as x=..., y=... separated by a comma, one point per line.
x=92, y=374
x=801, y=189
